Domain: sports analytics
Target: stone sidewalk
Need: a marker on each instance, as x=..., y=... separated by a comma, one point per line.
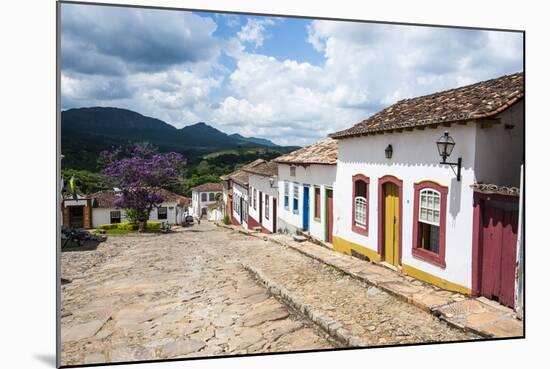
x=479, y=316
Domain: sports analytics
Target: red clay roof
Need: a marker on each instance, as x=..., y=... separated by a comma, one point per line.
x=479, y=100
x=208, y=187
x=106, y=199
x=323, y=152
x=265, y=168
x=240, y=176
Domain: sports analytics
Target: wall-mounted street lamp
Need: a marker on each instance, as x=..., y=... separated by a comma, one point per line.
x=272, y=182
x=389, y=151
x=445, y=146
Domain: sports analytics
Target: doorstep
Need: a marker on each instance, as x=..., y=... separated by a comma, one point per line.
x=470, y=314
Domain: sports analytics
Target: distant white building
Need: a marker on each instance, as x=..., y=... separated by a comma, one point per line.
x=99, y=208
x=262, y=190
x=305, y=185
x=203, y=196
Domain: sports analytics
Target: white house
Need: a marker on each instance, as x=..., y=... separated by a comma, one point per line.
x=105, y=211
x=236, y=193
x=397, y=202
x=262, y=189
x=305, y=183
x=203, y=196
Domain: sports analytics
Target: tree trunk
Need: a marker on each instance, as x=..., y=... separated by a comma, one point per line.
x=142, y=225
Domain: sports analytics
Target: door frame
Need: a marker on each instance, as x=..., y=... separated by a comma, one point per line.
x=274, y=214
x=477, y=234
x=305, y=210
x=327, y=214
x=381, y=213
x=260, y=210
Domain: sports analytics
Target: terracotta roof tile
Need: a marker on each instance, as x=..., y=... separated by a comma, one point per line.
x=323, y=152
x=480, y=100
x=240, y=176
x=106, y=199
x=208, y=187
x=266, y=169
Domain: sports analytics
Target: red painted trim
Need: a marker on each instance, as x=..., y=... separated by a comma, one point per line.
x=426, y=255
x=355, y=228
x=399, y=183
x=476, y=246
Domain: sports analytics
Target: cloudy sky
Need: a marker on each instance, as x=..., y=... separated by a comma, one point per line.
x=290, y=80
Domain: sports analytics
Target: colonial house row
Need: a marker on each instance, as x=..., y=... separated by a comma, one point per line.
x=91, y=211
x=236, y=194
x=203, y=196
x=431, y=186
x=306, y=184
x=262, y=192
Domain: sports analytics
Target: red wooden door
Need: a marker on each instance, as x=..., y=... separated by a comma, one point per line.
x=330, y=221
x=498, y=239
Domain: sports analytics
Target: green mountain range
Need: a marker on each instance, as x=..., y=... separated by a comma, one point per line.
x=85, y=132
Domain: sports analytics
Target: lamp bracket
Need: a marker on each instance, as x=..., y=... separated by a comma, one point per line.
x=458, y=164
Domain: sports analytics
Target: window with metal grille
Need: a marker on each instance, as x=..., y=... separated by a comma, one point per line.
x=162, y=213
x=266, y=206
x=115, y=216
x=203, y=196
x=293, y=171
x=211, y=196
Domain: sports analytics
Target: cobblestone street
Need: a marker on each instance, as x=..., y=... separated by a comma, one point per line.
x=201, y=291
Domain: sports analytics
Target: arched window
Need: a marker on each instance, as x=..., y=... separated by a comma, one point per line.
x=360, y=204
x=429, y=222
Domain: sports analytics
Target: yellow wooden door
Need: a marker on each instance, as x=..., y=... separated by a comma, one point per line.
x=391, y=224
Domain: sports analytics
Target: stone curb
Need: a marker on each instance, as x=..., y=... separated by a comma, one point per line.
x=328, y=325
x=434, y=310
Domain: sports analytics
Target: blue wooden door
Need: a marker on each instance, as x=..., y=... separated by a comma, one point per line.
x=305, y=213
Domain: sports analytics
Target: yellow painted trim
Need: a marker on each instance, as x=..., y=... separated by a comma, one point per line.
x=344, y=246
x=436, y=281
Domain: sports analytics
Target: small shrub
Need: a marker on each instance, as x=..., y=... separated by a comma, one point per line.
x=107, y=227
x=127, y=226
x=153, y=227
x=226, y=220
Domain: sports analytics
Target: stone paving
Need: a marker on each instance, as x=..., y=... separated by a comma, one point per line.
x=481, y=316
x=207, y=291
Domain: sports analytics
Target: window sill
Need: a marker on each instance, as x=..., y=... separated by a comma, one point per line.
x=430, y=257
x=359, y=230
x=318, y=220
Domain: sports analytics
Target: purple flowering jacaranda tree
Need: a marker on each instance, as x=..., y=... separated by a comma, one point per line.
x=140, y=173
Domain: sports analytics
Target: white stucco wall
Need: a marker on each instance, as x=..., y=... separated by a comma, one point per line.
x=499, y=149
x=103, y=215
x=261, y=184
x=415, y=158
x=198, y=204
x=238, y=193
x=320, y=175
